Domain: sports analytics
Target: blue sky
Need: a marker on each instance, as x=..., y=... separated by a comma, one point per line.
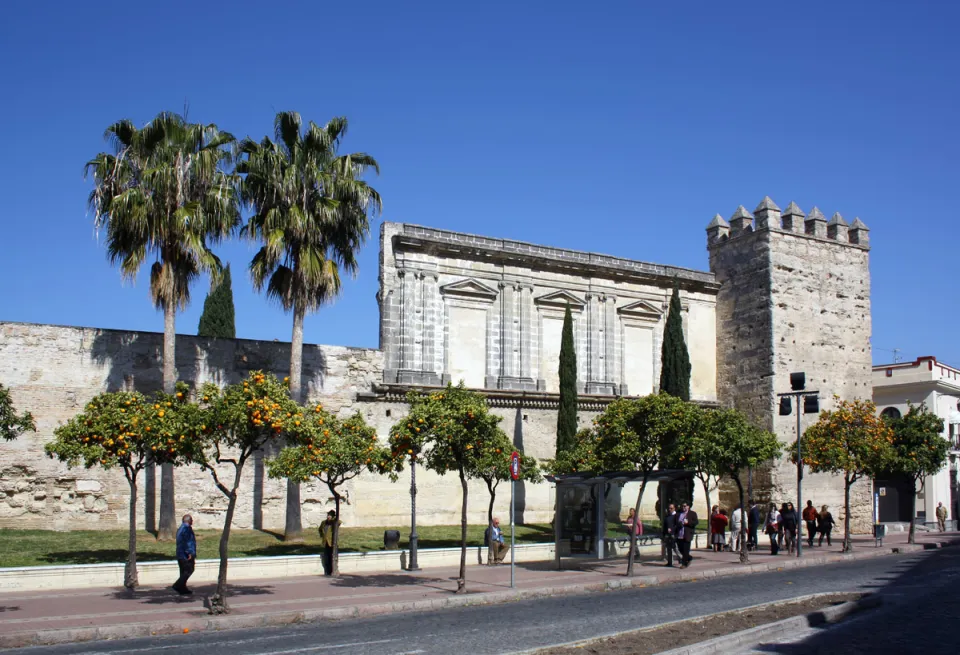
x=613, y=127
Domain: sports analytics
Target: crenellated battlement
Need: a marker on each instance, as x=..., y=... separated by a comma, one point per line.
x=768, y=216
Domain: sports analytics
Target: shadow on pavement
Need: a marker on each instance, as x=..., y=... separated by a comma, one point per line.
x=11, y=608
x=100, y=556
x=166, y=595
x=385, y=580
x=906, y=615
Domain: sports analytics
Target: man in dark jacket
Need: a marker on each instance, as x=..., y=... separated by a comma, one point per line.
x=186, y=554
x=790, y=521
x=687, y=523
x=670, y=532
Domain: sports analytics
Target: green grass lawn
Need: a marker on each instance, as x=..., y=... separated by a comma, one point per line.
x=48, y=548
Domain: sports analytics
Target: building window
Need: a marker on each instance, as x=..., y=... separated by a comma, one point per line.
x=890, y=412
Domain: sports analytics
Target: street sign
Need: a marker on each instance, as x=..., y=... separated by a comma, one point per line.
x=515, y=465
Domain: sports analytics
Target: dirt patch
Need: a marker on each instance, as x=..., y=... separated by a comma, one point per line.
x=685, y=633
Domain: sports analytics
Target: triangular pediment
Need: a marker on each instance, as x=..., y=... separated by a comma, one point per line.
x=469, y=288
x=560, y=299
x=641, y=309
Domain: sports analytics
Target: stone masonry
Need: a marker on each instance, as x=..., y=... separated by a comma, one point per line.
x=794, y=296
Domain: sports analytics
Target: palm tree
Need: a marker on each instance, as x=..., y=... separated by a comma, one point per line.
x=164, y=194
x=311, y=214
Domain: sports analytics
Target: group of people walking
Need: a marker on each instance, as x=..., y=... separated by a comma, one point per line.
x=781, y=526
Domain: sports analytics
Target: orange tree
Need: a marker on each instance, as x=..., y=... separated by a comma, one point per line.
x=851, y=440
x=128, y=431
x=236, y=422
x=728, y=444
x=449, y=429
x=12, y=425
x=630, y=435
x=492, y=465
x=696, y=450
x=919, y=450
x=333, y=452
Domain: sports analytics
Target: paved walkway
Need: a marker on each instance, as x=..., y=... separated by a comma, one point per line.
x=49, y=617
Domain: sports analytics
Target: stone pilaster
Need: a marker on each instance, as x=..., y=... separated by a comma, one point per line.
x=513, y=335
x=417, y=365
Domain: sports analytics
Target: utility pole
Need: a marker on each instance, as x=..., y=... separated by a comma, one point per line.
x=811, y=405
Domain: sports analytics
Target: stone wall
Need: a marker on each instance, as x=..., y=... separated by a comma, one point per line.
x=53, y=371
x=795, y=296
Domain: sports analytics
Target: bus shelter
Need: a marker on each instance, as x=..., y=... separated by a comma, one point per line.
x=588, y=502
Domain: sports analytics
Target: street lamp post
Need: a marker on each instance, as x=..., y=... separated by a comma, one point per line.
x=412, y=566
x=811, y=405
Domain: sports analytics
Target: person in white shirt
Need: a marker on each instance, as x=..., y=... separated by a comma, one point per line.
x=738, y=524
x=771, y=527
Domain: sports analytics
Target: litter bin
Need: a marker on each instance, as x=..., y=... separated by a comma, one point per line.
x=879, y=531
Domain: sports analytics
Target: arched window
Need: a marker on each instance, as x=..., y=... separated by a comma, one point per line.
x=890, y=412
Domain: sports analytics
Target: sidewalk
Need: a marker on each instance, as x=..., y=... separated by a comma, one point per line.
x=87, y=614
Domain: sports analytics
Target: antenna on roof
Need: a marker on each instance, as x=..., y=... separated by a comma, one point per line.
x=896, y=355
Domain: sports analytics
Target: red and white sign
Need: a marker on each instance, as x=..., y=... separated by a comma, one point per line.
x=515, y=465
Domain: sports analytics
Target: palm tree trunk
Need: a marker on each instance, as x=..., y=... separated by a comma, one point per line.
x=130, y=580
x=633, y=528
x=168, y=509
x=847, y=545
x=218, y=602
x=462, y=578
x=293, y=525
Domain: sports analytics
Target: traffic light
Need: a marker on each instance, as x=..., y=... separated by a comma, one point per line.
x=786, y=406
x=798, y=381
x=811, y=405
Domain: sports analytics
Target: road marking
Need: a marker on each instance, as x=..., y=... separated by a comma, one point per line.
x=311, y=649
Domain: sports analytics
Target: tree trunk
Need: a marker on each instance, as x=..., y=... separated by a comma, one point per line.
x=744, y=523
x=911, y=537
x=293, y=525
x=493, y=496
x=462, y=579
x=847, y=483
x=218, y=602
x=633, y=529
x=168, y=509
x=130, y=580
x=706, y=495
x=334, y=559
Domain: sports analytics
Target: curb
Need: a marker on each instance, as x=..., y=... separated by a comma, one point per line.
x=761, y=633
x=274, y=619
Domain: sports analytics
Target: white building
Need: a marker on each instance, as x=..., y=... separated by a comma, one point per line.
x=925, y=381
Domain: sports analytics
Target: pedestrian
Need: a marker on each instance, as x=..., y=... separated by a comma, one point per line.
x=791, y=521
x=810, y=518
x=687, y=526
x=718, y=528
x=327, y=539
x=738, y=522
x=670, y=526
x=941, y=517
x=753, y=519
x=632, y=524
x=824, y=525
x=495, y=543
x=772, y=527
x=780, y=535
x=186, y=554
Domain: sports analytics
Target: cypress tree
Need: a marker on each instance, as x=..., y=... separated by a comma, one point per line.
x=674, y=359
x=567, y=416
x=217, y=319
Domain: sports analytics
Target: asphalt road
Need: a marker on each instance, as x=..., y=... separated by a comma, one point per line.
x=542, y=622
x=920, y=614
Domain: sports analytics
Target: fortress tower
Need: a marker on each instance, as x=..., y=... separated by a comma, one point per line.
x=794, y=296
